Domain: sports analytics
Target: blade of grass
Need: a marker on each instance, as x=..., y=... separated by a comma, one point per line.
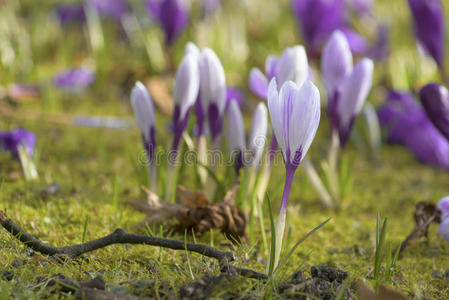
x=273, y=239
x=379, y=250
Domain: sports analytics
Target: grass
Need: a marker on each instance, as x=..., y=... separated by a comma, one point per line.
x=96, y=178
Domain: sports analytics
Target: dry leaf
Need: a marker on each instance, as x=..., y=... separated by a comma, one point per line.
x=425, y=214
x=160, y=94
x=195, y=213
x=365, y=292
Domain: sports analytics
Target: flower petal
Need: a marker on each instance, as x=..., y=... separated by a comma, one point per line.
x=258, y=132
x=258, y=83
x=213, y=82
x=304, y=119
x=293, y=66
x=336, y=61
x=235, y=129
x=435, y=100
x=355, y=90
x=186, y=84
x=275, y=114
x=143, y=109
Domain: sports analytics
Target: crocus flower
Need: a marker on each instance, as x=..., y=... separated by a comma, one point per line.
x=295, y=115
x=212, y=90
x=210, y=7
x=144, y=113
x=185, y=93
x=172, y=15
x=292, y=65
x=74, y=80
x=347, y=88
x=318, y=19
x=235, y=134
x=435, y=100
x=407, y=124
x=234, y=95
x=11, y=140
x=443, y=206
x=429, y=26
x=114, y=9
x=70, y=13
x=258, y=134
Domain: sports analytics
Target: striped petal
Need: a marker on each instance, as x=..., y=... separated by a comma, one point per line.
x=186, y=84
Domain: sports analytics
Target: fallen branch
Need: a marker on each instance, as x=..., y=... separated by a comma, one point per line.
x=120, y=236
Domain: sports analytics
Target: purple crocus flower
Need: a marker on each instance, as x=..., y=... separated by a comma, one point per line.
x=70, y=13
x=318, y=19
x=347, y=88
x=443, y=206
x=235, y=134
x=11, y=140
x=210, y=7
x=185, y=93
x=295, y=115
x=258, y=134
x=144, y=113
x=429, y=27
x=435, y=100
x=292, y=65
x=407, y=124
x=172, y=15
x=114, y=9
x=212, y=90
x=74, y=80
x=234, y=95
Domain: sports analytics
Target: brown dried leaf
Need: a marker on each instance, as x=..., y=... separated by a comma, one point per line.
x=160, y=93
x=157, y=210
x=425, y=214
x=192, y=199
x=195, y=213
x=365, y=292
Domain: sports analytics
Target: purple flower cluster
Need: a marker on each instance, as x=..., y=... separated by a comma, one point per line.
x=74, y=80
x=11, y=140
x=408, y=124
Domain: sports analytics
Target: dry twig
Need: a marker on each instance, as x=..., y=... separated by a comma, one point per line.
x=120, y=236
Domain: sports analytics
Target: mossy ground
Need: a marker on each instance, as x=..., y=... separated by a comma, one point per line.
x=95, y=168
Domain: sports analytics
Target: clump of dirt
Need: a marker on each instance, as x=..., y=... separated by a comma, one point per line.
x=325, y=284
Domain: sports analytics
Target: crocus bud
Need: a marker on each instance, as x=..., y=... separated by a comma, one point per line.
x=336, y=62
x=235, y=134
x=292, y=66
x=435, y=100
x=355, y=90
x=172, y=15
x=115, y=9
x=11, y=140
x=144, y=113
x=258, y=133
x=212, y=90
x=185, y=93
x=74, y=80
x=429, y=26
